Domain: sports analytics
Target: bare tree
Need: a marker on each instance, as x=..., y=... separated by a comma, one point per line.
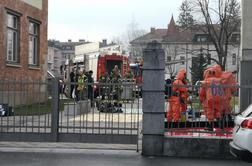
x=220, y=19
x=133, y=32
x=117, y=40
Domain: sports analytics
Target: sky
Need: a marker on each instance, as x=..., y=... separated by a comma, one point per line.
x=94, y=20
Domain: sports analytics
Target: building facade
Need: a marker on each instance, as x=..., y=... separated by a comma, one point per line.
x=183, y=46
x=23, y=39
x=67, y=50
x=54, y=61
x=86, y=55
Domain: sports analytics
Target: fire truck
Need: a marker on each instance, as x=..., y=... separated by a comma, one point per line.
x=106, y=63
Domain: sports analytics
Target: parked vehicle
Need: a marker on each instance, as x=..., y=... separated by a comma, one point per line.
x=106, y=63
x=241, y=146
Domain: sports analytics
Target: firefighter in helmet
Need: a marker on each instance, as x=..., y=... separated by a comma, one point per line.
x=178, y=99
x=115, y=79
x=104, y=87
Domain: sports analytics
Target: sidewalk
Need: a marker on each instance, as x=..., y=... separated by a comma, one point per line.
x=92, y=157
x=59, y=147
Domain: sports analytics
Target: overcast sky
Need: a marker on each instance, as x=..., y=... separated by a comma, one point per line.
x=94, y=20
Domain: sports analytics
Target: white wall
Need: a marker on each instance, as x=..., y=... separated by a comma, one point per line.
x=114, y=49
x=86, y=48
x=92, y=64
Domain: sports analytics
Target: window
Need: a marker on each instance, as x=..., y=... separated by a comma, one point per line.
x=12, y=38
x=182, y=59
x=168, y=58
x=234, y=59
x=201, y=38
x=33, y=43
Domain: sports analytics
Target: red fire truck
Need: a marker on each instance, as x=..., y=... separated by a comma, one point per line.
x=106, y=63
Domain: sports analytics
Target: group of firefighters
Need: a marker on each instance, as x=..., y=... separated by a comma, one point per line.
x=110, y=91
x=82, y=87
x=215, y=93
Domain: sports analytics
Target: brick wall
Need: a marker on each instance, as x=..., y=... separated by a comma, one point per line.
x=23, y=71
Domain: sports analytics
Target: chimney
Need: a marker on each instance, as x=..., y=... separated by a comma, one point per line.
x=69, y=40
x=104, y=42
x=152, y=30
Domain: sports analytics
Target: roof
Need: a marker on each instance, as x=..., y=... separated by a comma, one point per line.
x=173, y=34
x=157, y=34
x=107, y=45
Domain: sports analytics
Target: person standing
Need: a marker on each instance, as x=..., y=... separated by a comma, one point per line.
x=77, y=74
x=178, y=99
x=72, y=85
x=82, y=79
x=116, y=90
x=104, y=87
x=212, y=95
x=90, y=90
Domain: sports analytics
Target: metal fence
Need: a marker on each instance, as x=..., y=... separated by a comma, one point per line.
x=205, y=117
x=57, y=111
x=24, y=107
x=103, y=109
x=105, y=112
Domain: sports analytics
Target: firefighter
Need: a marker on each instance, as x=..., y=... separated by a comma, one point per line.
x=104, y=88
x=115, y=74
x=178, y=99
x=104, y=92
x=228, y=80
x=129, y=75
x=212, y=94
x=82, y=79
x=115, y=79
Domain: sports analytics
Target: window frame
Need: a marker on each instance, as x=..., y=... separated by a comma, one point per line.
x=16, y=50
x=34, y=35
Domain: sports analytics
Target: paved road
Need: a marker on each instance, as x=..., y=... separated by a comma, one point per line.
x=102, y=158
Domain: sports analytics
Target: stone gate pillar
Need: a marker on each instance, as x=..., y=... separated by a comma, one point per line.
x=246, y=56
x=153, y=99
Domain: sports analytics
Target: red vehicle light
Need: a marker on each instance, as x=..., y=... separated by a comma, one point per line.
x=247, y=124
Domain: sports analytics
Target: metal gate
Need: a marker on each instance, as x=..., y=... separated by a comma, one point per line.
x=46, y=112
